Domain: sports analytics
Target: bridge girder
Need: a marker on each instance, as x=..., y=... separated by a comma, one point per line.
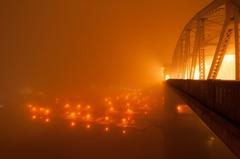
x=237, y=44
x=215, y=24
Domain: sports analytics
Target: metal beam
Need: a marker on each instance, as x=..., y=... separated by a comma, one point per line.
x=182, y=59
x=225, y=36
x=177, y=62
x=215, y=4
x=187, y=53
x=202, y=64
x=237, y=44
x=201, y=49
x=195, y=52
x=185, y=62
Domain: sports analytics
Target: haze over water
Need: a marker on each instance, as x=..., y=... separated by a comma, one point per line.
x=161, y=125
x=84, y=79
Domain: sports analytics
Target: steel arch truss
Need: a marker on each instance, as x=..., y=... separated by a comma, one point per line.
x=208, y=34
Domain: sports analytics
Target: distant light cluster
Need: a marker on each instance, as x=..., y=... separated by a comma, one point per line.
x=122, y=111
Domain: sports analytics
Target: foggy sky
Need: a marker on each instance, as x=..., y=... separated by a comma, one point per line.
x=65, y=45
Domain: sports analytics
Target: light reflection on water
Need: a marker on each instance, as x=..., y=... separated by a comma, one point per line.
x=183, y=109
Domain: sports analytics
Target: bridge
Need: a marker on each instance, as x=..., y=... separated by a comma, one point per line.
x=208, y=41
x=97, y=119
x=206, y=68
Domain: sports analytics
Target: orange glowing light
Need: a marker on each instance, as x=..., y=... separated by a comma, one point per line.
x=106, y=99
x=34, y=109
x=78, y=106
x=67, y=106
x=179, y=109
x=183, y=109
x=129, y=111
x=111, y=109
x=106, y=129
x=73, y=124
x=124, y=120
x=124, y=131
x=146, y=106
x=88, y=116
x=167, y=77
x=106, y=118
x=47, y=111
x=88, y=107
x=121, y=115
x=73, y=114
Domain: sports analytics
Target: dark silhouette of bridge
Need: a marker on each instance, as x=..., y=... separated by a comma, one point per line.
x=206, y=68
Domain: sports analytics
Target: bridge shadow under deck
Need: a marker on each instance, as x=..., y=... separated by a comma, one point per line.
x=225, y=129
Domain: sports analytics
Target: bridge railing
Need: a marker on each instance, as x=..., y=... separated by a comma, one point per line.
x=222, y=97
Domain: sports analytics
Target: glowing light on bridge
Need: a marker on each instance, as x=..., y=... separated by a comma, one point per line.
x=227, y=70
x=229, y=58
x=167, y=77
